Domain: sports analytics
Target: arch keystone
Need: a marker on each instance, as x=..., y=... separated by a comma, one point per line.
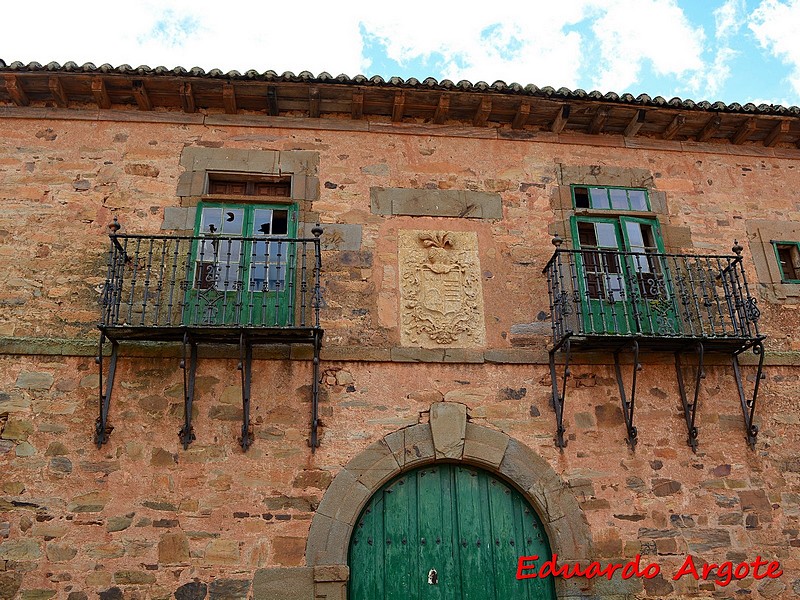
x=448, y=428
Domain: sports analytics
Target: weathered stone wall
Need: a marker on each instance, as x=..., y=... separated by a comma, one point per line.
x=141, y=517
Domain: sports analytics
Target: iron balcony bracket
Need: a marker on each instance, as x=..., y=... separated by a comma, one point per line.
x=315, y=422
x=558, y=398
x=102, y=429
x=628, y=405
x=245, y=366
x=749, y=406
x=690, y=409
x=186, y=433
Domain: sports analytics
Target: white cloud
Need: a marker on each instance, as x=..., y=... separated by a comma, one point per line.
x=728, y=21
x=243, y=35
x=775, y=25
x=632, y=32
x=510, y=42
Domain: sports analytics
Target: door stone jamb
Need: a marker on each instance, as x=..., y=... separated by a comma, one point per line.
x=448, y=436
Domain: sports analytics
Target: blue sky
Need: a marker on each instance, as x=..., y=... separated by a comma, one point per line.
x=730, y=50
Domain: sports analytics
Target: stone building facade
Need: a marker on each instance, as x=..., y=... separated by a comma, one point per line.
x=437, y=203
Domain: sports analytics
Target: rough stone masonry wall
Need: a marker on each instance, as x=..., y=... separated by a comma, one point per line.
x=142, y=518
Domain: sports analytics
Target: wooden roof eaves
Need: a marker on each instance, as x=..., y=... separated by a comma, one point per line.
x=525, y=111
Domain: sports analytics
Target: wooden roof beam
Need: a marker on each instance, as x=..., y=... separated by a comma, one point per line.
x=521, y=116
x=16, y=91
x=141, y=95
x=57, y=91
x=357, y=110
x=313, y=102
x=675, y=125
x=635, y=124
x=100, y=93
x=482, y=113
x=187, y=98
x=599, y=120
x=229, y=98
x=399, y=106
x=709, y=129
x=272, y=101
x=558, y=124
x=772, y=138
x=442, y=109
x=744, y=131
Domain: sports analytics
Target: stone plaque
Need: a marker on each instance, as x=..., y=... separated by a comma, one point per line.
x=441, y=298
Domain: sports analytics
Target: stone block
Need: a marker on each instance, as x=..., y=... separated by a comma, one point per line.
x=173, y=548
x=337, y=236
x=448, y=422
x=284, y=584
x=331, y=573
x=195, y=590
x=229, y=589
x=20, y=550
x=411, y=445
x=345, y=496
x=134, y=577
x=436, y=203
x=288, y=551
x=177, y=218
x=33, y=380
x=86, y=503
x=375, y=465
x=222, y=552
x=484, y=445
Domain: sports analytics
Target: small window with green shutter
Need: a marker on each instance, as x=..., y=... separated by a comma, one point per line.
x=788, y=255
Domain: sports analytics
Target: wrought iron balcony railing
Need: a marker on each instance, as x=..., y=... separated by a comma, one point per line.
x=210, y=289
x=616, y=301
x=171, y=283
x=609, y=293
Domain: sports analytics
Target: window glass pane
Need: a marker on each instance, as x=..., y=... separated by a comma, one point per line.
x=232, y=221
x=586, y=235
x=606, y=235
x=637, y=199
x=619, y=199
x=211, y=220
x=262, y=220
x=635, y=237
x=599, y=197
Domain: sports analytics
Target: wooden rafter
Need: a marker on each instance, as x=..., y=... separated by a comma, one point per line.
x=482, y=113
x=672, y=129
x=599, y=120
x=16, y=91
x=272, y=101
x=709, y=129
x=357, y=110
x=229, y=98
x=772, y=137
x=521, y=116
x=635, y=124
x=57, y=91
x=561, y=119
x=442, y=108
x=398, y=107
x=141, y=95
x=744, y=131
x=313, y=102
x=100, y=93
x=187, y=98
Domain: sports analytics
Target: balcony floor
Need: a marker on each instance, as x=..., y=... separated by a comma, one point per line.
x=215, y=335
x=612, y=342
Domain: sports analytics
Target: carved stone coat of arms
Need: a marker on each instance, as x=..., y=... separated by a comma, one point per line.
x=441, y=299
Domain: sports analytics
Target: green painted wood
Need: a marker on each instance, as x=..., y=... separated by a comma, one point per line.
x=467, y=525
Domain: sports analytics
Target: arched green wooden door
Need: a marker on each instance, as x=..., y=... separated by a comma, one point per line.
x=446, y=532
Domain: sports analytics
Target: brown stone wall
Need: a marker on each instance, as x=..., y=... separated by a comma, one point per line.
x=143, y=518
